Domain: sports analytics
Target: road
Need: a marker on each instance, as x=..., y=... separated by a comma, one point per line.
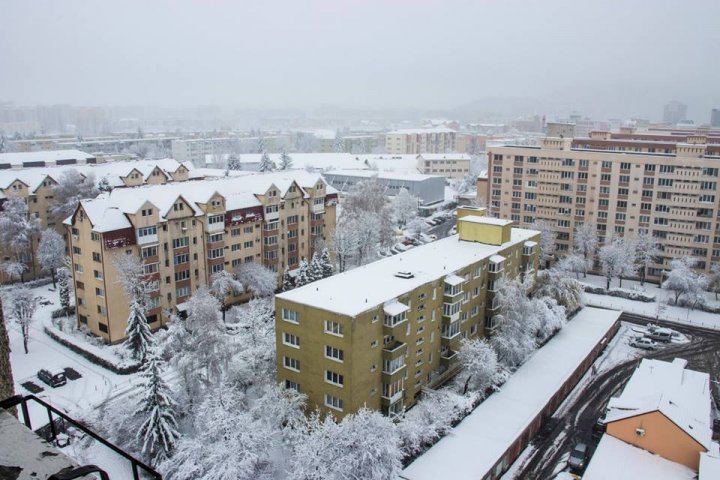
x=442, y=230
x=560, y=434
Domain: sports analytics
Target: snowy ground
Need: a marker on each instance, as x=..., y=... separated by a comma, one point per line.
x=76, y=397
x=658, y=309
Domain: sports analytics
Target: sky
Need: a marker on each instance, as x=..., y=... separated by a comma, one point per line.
x=597, y=57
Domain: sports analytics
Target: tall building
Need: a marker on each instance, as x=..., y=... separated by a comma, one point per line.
x=674, y=112
x=715, y=117
x=421, y=140
x=184, y=235
x=449, y=165
x=666, y=187
x=377, y=335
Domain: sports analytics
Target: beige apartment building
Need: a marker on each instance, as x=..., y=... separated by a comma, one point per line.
x=35, y=186
x=420, y=140
x=448, y=165
x=377, y=335
x=184, y=235
x=621, y=185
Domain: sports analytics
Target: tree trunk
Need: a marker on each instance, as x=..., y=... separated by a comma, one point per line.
x=607, y=283
x=223, y=308
x=677, y=296
x=642, y=276
x=467, y=384
x=25, y=341
x=52, y=275
x=621, y=281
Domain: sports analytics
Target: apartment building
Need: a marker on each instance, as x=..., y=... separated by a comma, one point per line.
x=184, y=235
x=377, y=335
x=429, y=189
x=622, y=185
x=197, y=150
x=36, y=185
x=448, y=165
x=420, y=140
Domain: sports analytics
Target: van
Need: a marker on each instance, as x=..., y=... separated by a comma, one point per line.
x=53, y=377
x=661, y=335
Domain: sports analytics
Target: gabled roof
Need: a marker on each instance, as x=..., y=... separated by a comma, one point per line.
x=681, y=395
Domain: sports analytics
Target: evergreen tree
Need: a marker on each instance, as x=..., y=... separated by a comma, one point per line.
x=234, y=163
x=137, y=287
x=285, y=161
x=266, y=165
x=315, y=272
x=303, y=274
x=339, y=142
x=260, y=143
x=139, y=337
x=288, y=283
x=158, y=434
x=327, y=266
x=64, y=288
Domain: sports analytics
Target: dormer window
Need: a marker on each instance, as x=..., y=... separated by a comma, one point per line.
x=272, y=193
x=179, y=206
x=147, y=212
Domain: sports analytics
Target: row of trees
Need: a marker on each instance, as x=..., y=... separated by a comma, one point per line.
x=319, y=267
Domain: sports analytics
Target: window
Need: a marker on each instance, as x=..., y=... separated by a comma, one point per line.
x=334, y=378
x=182, y=275
x=79, y=268
x=248, y=229
x=334, y=353
x=150, y=269
x=290, y=385
x=606, y=164
x=96, y=257
x=182, y=292
x=215, y=219
x=215, y=237
x=99, y=292
x=146, y=212
x=77, y=251
x=180, y=242
x=292, y=219
x=290, y=316
x=272, y=240
x=271, y=209
x=98, y=275
x=291, y=340
x=248, y=244
x=147, y=231
x=180, y=259
x=215, y=253
x=149, y=252
x=94, y=236
x=291, y=364
x=178, y=206
x=333, y=402
x=333, y=328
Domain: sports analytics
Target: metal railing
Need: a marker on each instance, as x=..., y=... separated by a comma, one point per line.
x=137, y=465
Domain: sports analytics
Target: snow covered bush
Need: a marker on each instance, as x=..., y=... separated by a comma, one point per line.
x=684, y=281
x=556, y=284
x=480, y=365
x=257, y=279
x=514, y=338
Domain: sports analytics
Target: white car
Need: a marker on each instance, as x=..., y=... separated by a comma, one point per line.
x=644, y=343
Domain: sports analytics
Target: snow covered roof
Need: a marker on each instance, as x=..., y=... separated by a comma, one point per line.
x=17, y=159
x=454, y=280
x=497, y=258
x=428, y=263
x=710, y=463
x=617, y=460
x=682, y=395
x=112, y=171
x=394, y=307
x=105, y=212
x=385, y=175
x=530, y=243
x=421, y=131
x=444, y=156
x=485, y=220
x=474, y=446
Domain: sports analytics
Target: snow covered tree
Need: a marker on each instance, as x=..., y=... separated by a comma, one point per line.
x=315, y=269
x=228, y=443
x=646, y=252
x=550, y=317
x=368, y=227
x=253, y=327
x=326, y=263
x=285, y=161
x=404, y=207
x=223, y=284
x=266, y=165
x=617, y=259
x=416, y=227
x=480, y=363
x=345, y=240
x=138, y=288
x=338, y=143
x=259, y=280
x=158, y=434
x=713, y=279
x=51, y=252
x=233, y=163
x=554, y=283
x=21, y=308
x=683, y=280
x=17, y=231
x=546, y=246
x=288, y=282
x=103, y=185
x=574, y=263
x=431, y=418
x=63, y=276
x=364, y=445
x=585, y=243
x=72, y=187
x=260, y=147
x=517, y=323
x=302, y=277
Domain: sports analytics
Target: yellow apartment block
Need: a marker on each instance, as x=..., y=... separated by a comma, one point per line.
x=377, y=335
x=185, y=233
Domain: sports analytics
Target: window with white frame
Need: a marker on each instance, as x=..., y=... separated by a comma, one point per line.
x=290, y=316
x=333, y=328
x=334, y=378
x=334, y=353
x=333, y=402
x=291, y=340
x=291, y=364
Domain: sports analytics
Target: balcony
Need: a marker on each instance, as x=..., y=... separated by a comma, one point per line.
x=396, y=397
x=318, y=207
x=215, y=227
x=394, y=350
x=448, y=358
x=147, y=239
x=272, y=216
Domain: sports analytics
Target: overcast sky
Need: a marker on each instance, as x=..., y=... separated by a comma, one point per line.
x=603, y=56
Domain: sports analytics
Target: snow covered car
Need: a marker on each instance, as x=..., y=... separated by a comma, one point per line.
x=661, y=335
x=53, y=377
x=578, y=456
x=644, y=343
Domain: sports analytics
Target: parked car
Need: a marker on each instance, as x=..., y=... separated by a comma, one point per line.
x=53, y=377
x=453, y=231
x=400, y=247
x=431, y=222
x=661, y=335
x=578, y=456
x=644, y=343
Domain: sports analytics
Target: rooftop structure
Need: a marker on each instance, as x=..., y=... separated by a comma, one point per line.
x=45, y=158
x=428, y=189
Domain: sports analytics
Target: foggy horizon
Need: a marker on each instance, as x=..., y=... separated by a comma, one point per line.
x=604, y=59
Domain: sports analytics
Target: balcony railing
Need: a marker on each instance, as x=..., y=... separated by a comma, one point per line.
x=136, y=465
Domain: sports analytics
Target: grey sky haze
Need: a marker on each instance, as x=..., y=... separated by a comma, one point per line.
x=600, y=55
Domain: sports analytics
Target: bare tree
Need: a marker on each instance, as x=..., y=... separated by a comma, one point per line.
x=51, y=252
x=23, y=304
